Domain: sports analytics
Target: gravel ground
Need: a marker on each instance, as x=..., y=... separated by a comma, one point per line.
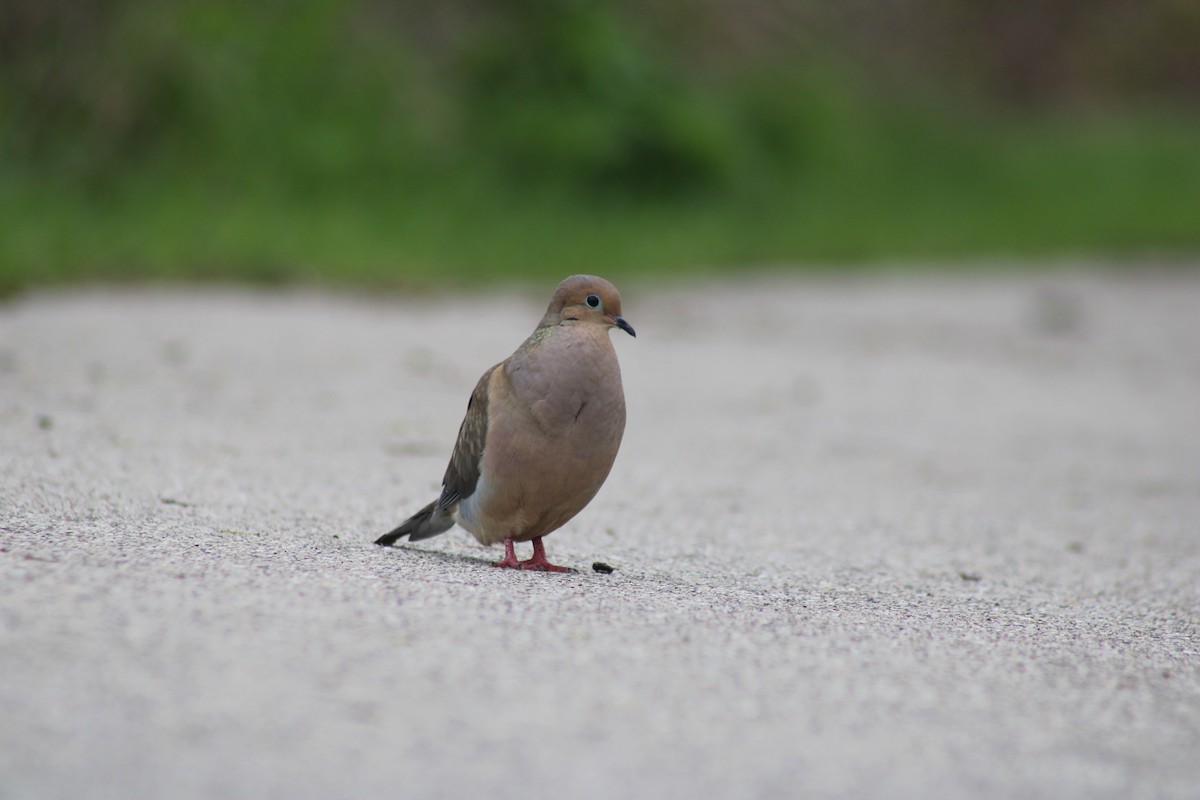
x=888, y=537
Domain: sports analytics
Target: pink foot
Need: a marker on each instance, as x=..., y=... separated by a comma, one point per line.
x=539, y=560
x=510, y=556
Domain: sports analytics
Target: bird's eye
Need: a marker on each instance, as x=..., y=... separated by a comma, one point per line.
x=592, y=300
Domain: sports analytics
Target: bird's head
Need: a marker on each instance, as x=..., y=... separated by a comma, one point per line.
x=587, y=299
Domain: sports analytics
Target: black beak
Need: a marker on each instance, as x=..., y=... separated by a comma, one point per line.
x=625, y=326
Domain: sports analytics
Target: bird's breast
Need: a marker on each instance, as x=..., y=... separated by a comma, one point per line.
x=571, y=386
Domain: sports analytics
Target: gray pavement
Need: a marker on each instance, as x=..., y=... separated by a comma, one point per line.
x=887, y=537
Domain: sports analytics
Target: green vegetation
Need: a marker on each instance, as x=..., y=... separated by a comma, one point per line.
x=323, y=142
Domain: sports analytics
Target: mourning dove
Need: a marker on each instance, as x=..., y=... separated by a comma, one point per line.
x=541, y=431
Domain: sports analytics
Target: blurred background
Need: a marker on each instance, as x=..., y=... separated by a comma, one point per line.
x=360, y=142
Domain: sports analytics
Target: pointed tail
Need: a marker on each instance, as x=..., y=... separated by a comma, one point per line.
x=426, y=523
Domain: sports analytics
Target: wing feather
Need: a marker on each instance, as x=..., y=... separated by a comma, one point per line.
x=462, y=474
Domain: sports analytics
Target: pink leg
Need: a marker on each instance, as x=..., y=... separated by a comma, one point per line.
x=510, y=556
x=539, y=559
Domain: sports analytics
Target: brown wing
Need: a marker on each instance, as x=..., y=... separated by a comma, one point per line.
x=463, y=472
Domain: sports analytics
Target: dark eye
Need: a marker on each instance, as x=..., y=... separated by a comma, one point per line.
x=592, y=300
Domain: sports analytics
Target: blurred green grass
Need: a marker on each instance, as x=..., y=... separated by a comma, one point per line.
x=272, y=143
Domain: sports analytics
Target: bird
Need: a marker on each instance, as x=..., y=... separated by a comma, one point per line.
x=541, y=431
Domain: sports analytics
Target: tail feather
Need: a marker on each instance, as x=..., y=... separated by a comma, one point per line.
x=426, y=523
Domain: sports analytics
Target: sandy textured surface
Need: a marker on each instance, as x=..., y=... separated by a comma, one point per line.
x=883, y=538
